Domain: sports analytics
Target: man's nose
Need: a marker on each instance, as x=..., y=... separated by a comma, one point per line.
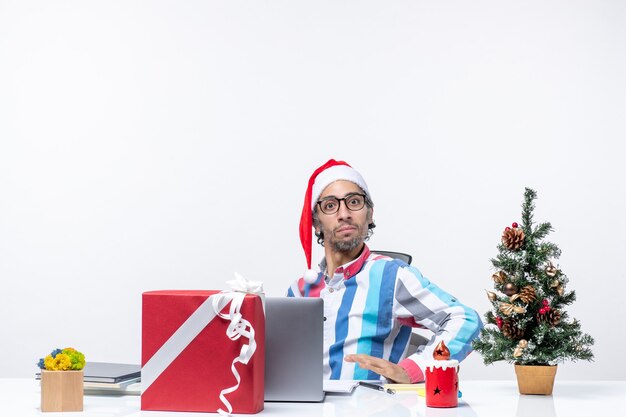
x=343, y=211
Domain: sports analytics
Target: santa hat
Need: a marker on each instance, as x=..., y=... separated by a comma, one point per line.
x=323, y=176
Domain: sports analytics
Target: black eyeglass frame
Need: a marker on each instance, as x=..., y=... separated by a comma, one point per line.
x=339, y=200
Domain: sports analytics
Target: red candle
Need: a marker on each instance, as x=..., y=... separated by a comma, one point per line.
x=442, y=381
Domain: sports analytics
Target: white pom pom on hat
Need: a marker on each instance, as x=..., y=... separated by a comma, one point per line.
x=310, y=276
x=323, y=176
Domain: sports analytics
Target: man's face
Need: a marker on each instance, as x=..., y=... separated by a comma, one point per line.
x=344, y=230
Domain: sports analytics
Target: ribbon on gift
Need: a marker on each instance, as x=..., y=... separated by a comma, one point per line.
x=238, y=327
x=241, y=284
x=197, y=321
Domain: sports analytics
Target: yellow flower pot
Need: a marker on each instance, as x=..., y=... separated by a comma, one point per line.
x=537, y=380
x=61, y=390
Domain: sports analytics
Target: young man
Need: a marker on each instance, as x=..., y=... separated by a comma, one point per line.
x=371, y=302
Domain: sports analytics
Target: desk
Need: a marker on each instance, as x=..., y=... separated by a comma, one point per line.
x=21, y=397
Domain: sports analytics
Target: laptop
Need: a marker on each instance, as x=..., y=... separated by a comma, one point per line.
x=294, y=344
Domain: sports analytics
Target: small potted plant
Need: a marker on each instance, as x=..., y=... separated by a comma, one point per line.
x=62, y=380
x=528, y=325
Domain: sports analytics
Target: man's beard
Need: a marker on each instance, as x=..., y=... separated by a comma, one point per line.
x=347, y=245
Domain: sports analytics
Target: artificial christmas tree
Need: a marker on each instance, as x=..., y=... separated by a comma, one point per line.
x=529, y=324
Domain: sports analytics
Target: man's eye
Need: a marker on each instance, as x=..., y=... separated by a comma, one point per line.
x=354, y=201
x=329, y=205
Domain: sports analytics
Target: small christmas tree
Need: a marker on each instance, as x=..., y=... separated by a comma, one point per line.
x=530, y=325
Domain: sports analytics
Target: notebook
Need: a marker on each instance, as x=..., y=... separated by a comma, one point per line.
x=111, y=372
x=294, y=343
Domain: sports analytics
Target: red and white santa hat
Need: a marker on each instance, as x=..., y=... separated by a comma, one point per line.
x=323, y=176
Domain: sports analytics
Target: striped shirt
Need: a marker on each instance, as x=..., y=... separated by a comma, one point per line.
x=370, y=306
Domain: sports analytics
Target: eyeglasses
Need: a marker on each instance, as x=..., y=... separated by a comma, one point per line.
x=352, y=201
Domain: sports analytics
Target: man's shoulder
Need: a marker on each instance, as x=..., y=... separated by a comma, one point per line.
x=401, y=268
x=376, y=257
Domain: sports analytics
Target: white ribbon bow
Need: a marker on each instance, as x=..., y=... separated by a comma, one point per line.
x=241, y=284
x=238, y=327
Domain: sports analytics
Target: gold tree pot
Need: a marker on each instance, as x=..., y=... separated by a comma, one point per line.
x=535, y=379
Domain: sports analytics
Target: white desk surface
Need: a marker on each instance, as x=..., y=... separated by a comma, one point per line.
x=21, y=397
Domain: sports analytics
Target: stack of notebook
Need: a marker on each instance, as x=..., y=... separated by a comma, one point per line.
x=106, y=378
x=112, y=378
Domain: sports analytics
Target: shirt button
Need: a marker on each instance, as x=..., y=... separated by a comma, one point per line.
x=331, y=290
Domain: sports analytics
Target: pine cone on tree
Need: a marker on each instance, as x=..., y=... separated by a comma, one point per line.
x=513, y=238
x=528, y=294
x=511, y=330
x=552, y=317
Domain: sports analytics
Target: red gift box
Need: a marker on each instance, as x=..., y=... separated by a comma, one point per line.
x=187, y=354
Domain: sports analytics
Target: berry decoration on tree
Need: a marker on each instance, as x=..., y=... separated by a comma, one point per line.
x=529, y=324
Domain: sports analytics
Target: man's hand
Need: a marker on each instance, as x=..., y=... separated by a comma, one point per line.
x=382, y=367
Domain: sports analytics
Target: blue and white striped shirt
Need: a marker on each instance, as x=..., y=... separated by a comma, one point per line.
x=371, y=305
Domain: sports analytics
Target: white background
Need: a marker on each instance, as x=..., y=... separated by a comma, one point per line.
x=166, y=144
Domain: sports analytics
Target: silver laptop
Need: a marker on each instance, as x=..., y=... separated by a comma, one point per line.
x=294, y=349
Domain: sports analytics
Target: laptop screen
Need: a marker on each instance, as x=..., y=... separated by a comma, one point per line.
x=294, y=349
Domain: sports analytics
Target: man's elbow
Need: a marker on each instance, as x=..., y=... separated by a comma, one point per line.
x=476, y=323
